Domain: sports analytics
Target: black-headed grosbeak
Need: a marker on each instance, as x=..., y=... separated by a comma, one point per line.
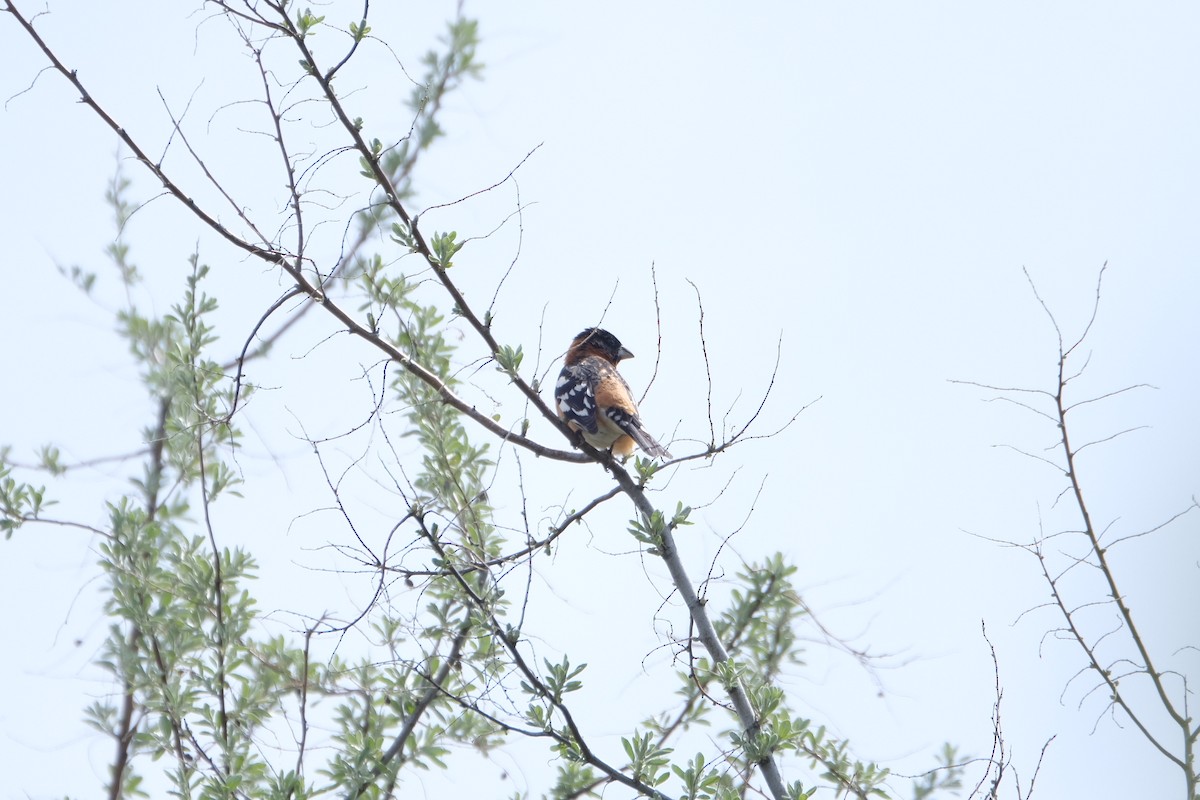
x=594, y=399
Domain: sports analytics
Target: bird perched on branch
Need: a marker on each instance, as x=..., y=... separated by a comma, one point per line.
x=595, y=400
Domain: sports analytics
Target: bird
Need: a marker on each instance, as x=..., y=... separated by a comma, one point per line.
x=593, y=398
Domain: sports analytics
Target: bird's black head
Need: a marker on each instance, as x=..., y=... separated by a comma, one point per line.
x=603, y=342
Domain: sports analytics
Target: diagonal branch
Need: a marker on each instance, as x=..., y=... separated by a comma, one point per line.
x=534, y=680
x=315, y=293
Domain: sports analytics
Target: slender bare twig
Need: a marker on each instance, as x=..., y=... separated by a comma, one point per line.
x=1106, y=570
x=1182, y=752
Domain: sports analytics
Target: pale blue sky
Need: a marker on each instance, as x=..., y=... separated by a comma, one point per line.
x=866, y=180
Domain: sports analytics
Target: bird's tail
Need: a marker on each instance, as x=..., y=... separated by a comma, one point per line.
x=647, y=442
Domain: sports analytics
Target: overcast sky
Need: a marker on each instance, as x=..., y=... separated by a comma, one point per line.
x=864, y=183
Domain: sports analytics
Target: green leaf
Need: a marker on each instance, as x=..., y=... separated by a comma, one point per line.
x=307, y=21
x=508, y=360
x=444, y=249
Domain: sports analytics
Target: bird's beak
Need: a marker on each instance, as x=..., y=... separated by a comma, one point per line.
x=625, y=353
